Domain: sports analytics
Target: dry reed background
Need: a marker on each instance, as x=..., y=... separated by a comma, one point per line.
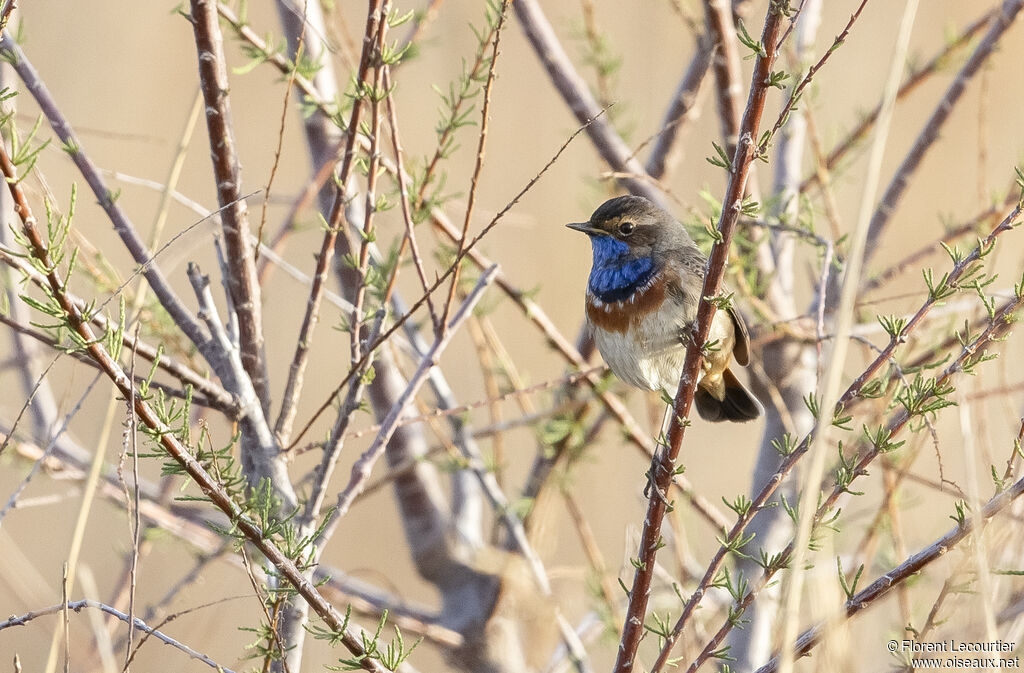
x=124, y=74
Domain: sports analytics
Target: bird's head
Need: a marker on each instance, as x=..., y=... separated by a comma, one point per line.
x=631, y=227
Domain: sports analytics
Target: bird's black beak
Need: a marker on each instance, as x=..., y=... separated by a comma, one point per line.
x=585, y=227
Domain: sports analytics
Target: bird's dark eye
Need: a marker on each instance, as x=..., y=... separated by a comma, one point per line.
x=626, y=228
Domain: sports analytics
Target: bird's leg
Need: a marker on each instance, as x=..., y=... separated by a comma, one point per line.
x=652, y=481
x=656, y=462
x=688, y=332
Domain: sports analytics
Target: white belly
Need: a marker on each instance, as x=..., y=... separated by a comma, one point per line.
x=649, y=354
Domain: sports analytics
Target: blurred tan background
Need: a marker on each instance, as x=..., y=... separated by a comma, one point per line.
x=124, y=74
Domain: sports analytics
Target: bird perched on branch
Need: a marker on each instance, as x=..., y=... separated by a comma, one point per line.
x=642, y=298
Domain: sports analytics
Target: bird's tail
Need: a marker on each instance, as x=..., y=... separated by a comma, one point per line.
x=729, y=401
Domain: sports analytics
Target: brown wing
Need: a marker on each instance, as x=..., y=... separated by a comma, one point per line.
x=740, y=350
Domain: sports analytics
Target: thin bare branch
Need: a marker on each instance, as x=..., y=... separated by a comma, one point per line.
x=485, y=111
x=78, y=606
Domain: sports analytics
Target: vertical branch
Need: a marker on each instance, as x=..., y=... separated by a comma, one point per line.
x=242, y=282
x=663, y=468
x=401, y=177
x=132, y=444
x=376, y=94
x=303, y=29
x=726, y=66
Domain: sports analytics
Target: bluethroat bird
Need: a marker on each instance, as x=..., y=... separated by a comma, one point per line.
x=642, y=299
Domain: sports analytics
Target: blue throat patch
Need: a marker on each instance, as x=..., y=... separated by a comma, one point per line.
x=616, y=275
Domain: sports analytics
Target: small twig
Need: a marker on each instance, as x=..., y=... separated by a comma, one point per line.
x=271, y=621
x=136, y=623
x=12, y=502
x=280, y=132
x=65, y=620
x=609, y=589
x=478, y=164
x=403, y=194
x=136, y=523
x=454, y=113
x=39, y=384
x=823, y=176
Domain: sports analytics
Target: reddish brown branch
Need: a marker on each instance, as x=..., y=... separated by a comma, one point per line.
x=663, y=468
x=242, y=282
x=760, y=501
